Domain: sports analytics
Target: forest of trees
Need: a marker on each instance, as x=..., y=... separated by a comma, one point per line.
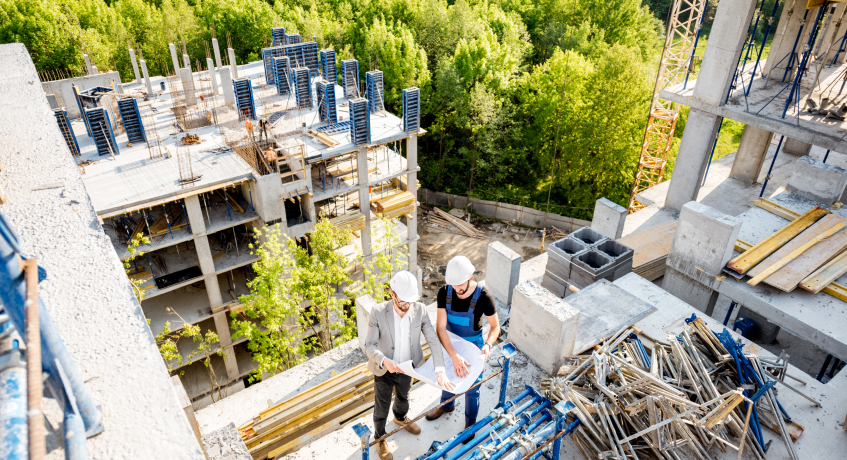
x=515, y=91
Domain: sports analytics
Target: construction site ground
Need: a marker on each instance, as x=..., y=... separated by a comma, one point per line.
x=437, y=245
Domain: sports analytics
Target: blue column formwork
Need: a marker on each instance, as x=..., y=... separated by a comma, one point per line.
x=65, y=127
x=298, y=54
x=281, y=69
x=292, y=39
x=360, y=129
x=278, y=36
x=244, y=98
x=374, y=91
x=350, y=78
x=302, y=89
x=411, y=109
x=326, y=102
x=101, y=130
x=131, y=117
x=328, y=67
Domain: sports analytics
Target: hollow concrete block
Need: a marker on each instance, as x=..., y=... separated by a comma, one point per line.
x=543, y=326
x=502, y=271
x=588, y=236
x=364, y=305
x=817, y=181
x=609, y=218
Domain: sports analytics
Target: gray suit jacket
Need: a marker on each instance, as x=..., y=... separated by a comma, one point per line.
x=380, y=339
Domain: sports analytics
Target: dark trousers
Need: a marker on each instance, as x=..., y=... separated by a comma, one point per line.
x=401, y=384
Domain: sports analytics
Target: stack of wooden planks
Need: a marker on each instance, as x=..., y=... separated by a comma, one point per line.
x=394, y=205
x=175, y=218
x=810, y=252
x=439, y=217
x=287, y=426
x=352, y=221
x=651, y=247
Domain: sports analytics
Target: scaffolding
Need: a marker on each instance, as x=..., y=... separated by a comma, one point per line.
x=685, y=21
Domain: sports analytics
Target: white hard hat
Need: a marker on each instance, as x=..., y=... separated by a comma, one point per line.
x=405, y=285
x=459, y=270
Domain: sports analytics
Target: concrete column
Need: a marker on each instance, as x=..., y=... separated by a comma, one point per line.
x=204, y=253
x=185, y=403
x=225, y=340
x=412, y=187
x=134, y=65
x=87, y=64
x=94, y=70
x=212, y=76
x=186, y=61
x=226, y=85
x=188, y=87
x=608, y=218
x=217, y=51
x=720, y=59
x=232, y=64
x=146, y=78
x=751, y=154
x=364, y=199
x=796, y=148
x=702, y=245
x=700, y=131
x=832, y=33
x=174, y=58
x=502, y=271
x=794, y=16
x=195, y=214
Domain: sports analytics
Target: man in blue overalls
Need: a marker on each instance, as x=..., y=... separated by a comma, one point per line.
x=461, y=305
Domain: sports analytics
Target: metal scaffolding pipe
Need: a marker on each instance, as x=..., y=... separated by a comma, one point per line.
x=545, y=417
x=509, y=432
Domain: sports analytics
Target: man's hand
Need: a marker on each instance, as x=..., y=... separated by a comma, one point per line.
x=486, y=351
x=392, y=366
x=460, y=366
x=446, y=384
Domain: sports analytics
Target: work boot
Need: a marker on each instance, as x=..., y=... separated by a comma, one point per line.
x=408, y=425
x=383, y=452
x=469, y=439
x=438, y=413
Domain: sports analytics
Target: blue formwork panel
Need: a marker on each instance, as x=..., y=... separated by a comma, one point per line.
x=300, y=81
x=278, y=36
x=411, y=109
x=81, y=110
x=298, y=54
x=281, y=70
x=329, y=70
x=101, y=128
x=374, y=91
x=65, y=128
x=291, y=39
x=350, y=77
x=326, y=102
x=360, y=126
x=244, y=98
x=132, y=120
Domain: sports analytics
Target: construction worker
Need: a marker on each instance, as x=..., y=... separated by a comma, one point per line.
x=270, y=155
x=462, y=303
x=394, y=337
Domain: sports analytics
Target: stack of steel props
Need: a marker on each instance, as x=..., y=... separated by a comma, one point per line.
x=688, y=397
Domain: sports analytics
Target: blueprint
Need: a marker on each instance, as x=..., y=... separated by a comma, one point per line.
x=471, y=353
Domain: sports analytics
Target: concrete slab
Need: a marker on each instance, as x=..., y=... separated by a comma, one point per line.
x=503, y=269
x=226, y=444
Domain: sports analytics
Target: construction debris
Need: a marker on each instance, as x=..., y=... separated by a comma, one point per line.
x=447, y=220
x=189, y=139
x=693, y=394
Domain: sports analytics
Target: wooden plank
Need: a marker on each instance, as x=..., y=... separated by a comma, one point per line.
x=776, y=209
x=788, y=277
x=830, y=272
x=771, y=244
x=650, y=244
x=783, y=280
x=315, y=390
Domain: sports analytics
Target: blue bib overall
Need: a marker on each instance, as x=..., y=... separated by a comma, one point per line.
x=461, y=324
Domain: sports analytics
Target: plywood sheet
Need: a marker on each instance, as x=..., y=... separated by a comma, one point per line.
x=788, y=277
x=651, y=243
x=604, y=310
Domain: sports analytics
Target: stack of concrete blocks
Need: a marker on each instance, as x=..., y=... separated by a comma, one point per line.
x=818, y=181
x=609, y=218
x=582, y=258
x=543, y=326
x=702, y=245
x=502, y=271
x=364, y=306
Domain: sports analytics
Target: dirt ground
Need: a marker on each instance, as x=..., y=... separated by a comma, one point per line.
x=437, y=245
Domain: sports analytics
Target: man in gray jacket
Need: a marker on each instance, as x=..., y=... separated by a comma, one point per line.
x=394, y=336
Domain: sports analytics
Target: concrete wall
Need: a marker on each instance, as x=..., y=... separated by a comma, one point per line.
x=64, y=91
x=503, y=211
x=86, y=291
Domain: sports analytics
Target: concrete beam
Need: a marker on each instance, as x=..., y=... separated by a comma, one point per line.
x=134, y=65
x=543, y=326
x=502, y=271
x=751, y=154
x=217, y=51
x=817, y=181
x=174, y=59
x=609, y=218
x=694, y=150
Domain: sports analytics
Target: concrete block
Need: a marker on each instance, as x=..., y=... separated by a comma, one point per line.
x=751, y=154
x=704, y=238
x=796, y=148
x=558, y=266
x=502, y=270
x=690, y=291
x=364, y=305
x=588, y=236
x=549, y=282
x=589, y=267
x=817, y=181
x=608, y=218
x=51, y=99
x=266, y=198
x=621, y=257
x=543, y=326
